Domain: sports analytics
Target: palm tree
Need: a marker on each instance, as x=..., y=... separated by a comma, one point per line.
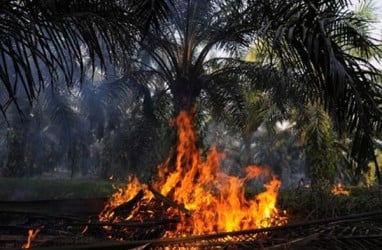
x=319, y=39
x=176, y=49
x=298, y=92
x=43, y=40
x=186, y=59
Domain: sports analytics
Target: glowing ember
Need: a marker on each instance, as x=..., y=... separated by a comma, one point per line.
x=339, y=190
x=216, y=201
x=32, y=233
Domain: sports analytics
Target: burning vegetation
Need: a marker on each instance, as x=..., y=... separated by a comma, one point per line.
x=32, y=234
x=339, y=189
x=195, y=191
x=193, y=204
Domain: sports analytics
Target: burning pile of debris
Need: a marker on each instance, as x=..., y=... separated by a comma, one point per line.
x=84, y=231
x=195, y=191
x=191, y=204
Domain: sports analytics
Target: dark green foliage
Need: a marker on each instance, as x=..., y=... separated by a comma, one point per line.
x=307, y=204
x=182, y=55
x=319, y=38
x=321, y=152
x=42, y=41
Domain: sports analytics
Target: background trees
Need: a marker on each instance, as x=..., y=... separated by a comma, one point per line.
x=155, y=58
x=323, y=37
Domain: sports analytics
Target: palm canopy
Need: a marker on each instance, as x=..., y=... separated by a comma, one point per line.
x=319, y=39
x=44, y=40
x=169, y=46
x=188, y=57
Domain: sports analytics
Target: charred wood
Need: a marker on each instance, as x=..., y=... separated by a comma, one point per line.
x=168, y=201
x=125, y=208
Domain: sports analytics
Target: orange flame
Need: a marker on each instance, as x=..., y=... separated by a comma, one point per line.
x=121, y=196
x=339, y=190
x=32, y=233
x=217, y=201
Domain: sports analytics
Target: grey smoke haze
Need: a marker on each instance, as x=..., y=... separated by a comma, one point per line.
x=262, y=148
x=102, y=128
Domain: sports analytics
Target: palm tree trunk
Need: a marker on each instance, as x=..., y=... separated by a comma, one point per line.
x=377, y=172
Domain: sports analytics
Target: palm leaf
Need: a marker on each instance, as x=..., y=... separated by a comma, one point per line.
x=44, y=40
x=317, y=38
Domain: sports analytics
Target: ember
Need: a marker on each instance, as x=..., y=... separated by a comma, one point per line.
x=207, y=199
x=32, y=233
x=339, y=190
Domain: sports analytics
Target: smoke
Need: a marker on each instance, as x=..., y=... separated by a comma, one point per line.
x=279, y=150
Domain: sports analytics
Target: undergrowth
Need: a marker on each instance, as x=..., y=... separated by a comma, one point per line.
x=306, y=204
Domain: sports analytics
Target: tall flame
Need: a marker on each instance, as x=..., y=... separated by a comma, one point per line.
x=32, y=233
x=217, y=201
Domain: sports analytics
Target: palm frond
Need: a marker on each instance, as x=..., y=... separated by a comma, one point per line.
x=42, y=41
x=317, y=38
x=151, y=13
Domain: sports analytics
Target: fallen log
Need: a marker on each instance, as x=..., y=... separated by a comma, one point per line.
x=168, y=201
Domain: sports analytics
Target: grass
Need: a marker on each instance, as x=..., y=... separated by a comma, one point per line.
x=306, y=204
x=42, y=189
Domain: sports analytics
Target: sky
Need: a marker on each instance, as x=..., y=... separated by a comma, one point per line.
x=377, y=8
x=376, y=31
x=378, y=11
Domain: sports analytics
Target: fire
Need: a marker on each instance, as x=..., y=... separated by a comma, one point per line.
x=339, y=190
x=121, y=196
x=216, y=201
x=32, y=233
